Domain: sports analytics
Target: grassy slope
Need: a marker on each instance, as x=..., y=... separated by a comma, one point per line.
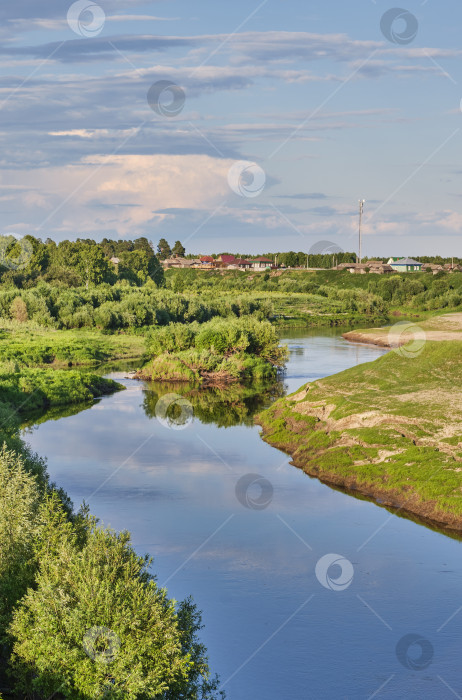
x=391, y=428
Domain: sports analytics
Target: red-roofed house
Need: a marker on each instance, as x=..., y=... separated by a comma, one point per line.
x=227, y=259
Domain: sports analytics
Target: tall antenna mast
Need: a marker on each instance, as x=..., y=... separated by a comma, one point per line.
x=361, y=210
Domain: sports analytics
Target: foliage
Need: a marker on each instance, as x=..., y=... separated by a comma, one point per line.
x=80, y=614
x=121, y=306
x=179, y=249
x=29, y=261
x=163, y=249
x=28, y=389
x=18, y=310
x=234, y=348
x=96, y=624
x=20, y=497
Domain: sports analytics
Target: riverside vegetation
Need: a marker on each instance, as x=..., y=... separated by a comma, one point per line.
x=383, y=428
x=68, y=305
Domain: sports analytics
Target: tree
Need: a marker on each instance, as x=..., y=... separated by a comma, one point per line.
x=87, y=259
x=178, y=249
x=143, y=244
x=18, y=310
x=96, y=624
x=163, y=249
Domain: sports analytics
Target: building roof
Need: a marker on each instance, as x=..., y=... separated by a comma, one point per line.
x=261, y=260
x=406, y=261
x=227, y=258
x=206, y=258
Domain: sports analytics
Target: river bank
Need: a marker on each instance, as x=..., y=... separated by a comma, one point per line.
x=438, y=328
x=382, y=429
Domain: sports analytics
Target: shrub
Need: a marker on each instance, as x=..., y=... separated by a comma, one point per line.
x=20, y=498
x=97, y=624
x=18, y=310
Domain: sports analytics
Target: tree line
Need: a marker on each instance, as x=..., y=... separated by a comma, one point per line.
x=81, y=263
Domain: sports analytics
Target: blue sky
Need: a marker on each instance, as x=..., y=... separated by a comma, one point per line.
x=286, y=113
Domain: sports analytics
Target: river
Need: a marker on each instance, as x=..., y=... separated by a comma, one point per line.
x=283, y=619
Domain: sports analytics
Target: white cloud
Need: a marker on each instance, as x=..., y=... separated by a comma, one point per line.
x=121, y=192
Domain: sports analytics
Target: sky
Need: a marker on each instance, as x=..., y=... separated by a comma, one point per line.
x=234, y=126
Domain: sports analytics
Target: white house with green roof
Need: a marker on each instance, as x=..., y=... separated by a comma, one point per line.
x=405, y=264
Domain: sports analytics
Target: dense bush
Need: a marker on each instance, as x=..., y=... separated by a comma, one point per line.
x=80, y=614
x=233, y=348
x=121, y=306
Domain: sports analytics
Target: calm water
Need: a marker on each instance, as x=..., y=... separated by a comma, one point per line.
x=272, y=630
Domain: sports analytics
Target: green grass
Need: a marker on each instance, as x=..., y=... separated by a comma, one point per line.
x=391, y=428
x=26, y=390
x=30, y=346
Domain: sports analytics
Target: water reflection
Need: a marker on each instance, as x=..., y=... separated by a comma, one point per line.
x=224, y=406
x=272, y=630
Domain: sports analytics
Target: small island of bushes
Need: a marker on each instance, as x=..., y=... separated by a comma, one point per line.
x=218, y=351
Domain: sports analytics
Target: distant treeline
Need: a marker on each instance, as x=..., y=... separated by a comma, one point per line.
x=27, y=261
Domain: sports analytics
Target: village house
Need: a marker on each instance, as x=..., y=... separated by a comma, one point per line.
x=433, y=268
x=180, y=263
x=405, y=265
x=261, y=263
x=372, y=266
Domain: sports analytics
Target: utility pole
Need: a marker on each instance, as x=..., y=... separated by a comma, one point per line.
x=307, y=262
x=361, y=210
